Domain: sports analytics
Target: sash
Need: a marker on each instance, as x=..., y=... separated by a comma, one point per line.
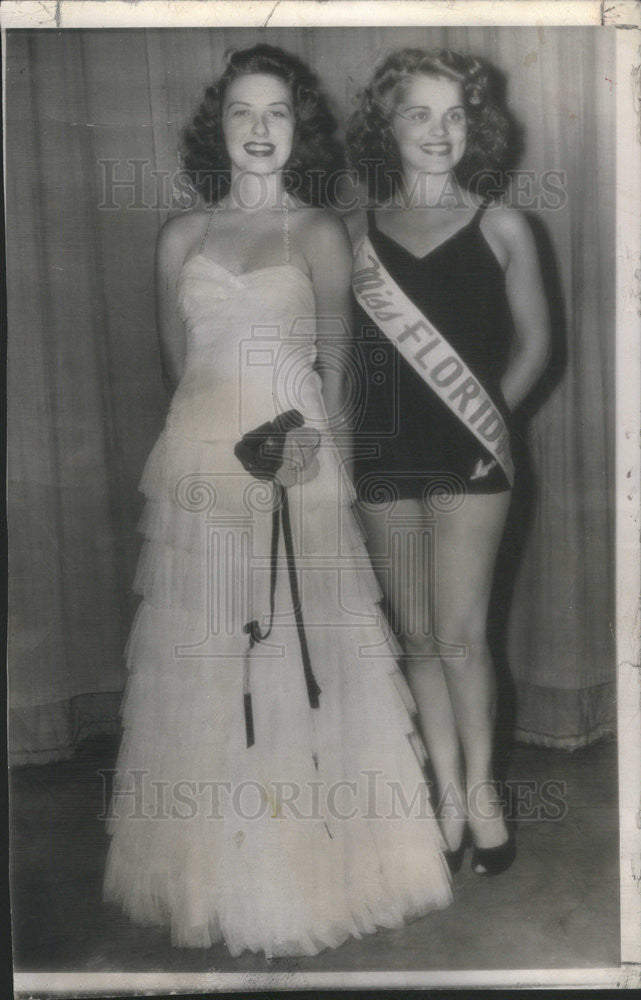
x=431, y=357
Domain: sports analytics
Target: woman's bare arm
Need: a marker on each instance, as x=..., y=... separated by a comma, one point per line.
x=172, y=245
x=355, y=222
x=329, y=255
x=530, y=351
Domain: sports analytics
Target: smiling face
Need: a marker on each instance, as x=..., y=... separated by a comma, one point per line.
x=258, y=123
x=429, y=125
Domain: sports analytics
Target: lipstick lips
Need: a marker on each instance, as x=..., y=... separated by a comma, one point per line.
x=259, y=148
x=436, y=148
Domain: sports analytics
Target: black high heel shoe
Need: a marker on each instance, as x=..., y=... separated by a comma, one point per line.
x=455, y=858
x=494, y=860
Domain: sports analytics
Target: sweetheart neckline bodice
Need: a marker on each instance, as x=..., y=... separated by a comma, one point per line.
x=233, y=276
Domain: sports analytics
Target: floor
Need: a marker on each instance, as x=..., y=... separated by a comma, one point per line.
x=557, y=907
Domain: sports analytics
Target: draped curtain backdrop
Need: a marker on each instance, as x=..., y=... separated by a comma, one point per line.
x=86, y=401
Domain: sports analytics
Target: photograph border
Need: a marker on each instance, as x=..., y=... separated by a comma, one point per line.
x=626, y=18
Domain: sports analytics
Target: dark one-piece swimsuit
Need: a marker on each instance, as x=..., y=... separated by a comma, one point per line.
x=406, y=437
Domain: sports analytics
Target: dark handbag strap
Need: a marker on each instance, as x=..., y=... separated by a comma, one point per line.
x=280, y=512
x=313, y=689
x=253, y=628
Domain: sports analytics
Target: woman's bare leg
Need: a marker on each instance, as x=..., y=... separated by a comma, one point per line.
x=449, y=666
x=401, y=561
x=467, y=541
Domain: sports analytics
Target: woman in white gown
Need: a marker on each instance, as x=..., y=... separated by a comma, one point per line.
x=270, y=797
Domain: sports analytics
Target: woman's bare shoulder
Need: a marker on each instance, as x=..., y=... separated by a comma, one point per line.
x=181, y=231
x=507, y=231
x=320, y=230
x=356, y=224
x=506, y=223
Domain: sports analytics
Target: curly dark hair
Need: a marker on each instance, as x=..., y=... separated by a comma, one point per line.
x=491, y=131
x=316, y=154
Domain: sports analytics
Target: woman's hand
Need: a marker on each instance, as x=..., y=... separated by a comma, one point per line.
x=509, y=234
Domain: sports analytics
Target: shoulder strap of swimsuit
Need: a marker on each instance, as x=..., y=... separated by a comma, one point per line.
x=371, y=221
x=478, y=215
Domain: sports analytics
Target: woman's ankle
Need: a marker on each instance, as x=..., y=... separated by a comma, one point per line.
x=453, y=831
x=486, y=815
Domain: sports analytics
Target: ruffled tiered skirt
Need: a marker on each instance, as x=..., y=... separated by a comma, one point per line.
x=322, y=829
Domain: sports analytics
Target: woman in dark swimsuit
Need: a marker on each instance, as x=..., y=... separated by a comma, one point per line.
x=472, y=271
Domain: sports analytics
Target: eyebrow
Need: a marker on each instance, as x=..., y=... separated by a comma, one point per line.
x=247, y=104
x=426, y=107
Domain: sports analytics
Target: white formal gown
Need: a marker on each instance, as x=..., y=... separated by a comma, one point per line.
x=322, y=829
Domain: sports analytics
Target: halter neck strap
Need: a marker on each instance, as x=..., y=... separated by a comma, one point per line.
x=287, y=245
x=208, y=227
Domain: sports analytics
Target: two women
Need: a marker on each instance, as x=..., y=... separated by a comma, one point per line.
x=269, y=787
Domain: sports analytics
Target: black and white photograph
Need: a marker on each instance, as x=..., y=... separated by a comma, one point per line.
x=323, y=491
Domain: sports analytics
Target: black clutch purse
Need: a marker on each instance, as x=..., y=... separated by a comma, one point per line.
x=282, y=451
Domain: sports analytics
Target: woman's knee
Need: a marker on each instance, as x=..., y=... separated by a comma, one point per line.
x=460, y=636
x=454, y=646
x=420, y=646
x=462, y=647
